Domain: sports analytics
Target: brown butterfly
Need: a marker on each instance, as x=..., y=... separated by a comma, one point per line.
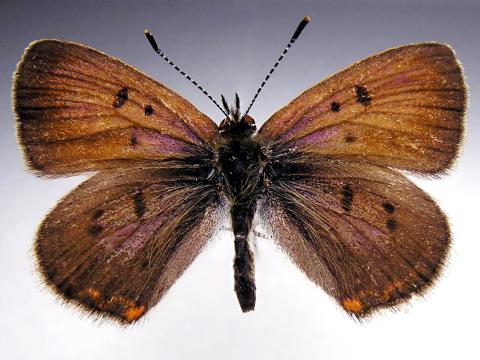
x=324, y=173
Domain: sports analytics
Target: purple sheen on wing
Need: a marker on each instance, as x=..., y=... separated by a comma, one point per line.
x=139, y=238
x=323, y=107
x=304, y=122
x=180, y=125
x=164, y=116
x=328, y=201
x=367, y=235
x=112, y=241
x=153, y=141
x=131, y=238
x=318, y=137
x=315, y=112
x=205, y=128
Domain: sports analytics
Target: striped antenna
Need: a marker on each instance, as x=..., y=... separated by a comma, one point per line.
x=155, y=47
x=294, y=38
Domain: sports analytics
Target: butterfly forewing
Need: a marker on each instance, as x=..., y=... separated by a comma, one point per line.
x=365, y=233
x=402, y=108
x=79, y=110
x=118, y=242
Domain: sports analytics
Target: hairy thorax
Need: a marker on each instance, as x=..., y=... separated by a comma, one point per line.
x=241, y=169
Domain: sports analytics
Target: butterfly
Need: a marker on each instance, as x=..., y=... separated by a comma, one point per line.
x=325, y=174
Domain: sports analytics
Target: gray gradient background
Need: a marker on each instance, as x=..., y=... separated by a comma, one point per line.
x=228, y=46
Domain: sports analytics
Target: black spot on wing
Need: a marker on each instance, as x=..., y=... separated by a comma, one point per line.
x=335, y=106
x=148, y=110
x=391, y=224
x=95, y=229
x=139, y=203
x=349, y=138
x=69, y=291
x=122, y=97
x=98, y=213
x=347, y=197
x=388, y=207
x=363, y=97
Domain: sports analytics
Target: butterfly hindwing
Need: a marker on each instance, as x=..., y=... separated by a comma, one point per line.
x=401, y=108
x=365, y=233
x=80, y=110
x=117, y=243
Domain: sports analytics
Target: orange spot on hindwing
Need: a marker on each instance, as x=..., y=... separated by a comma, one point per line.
x=133, y=312
x=353, y=305
x=116, y=305
x=93, y=293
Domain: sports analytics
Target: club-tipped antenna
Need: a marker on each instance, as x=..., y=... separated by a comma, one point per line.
x=294, y=38
x=155, y=47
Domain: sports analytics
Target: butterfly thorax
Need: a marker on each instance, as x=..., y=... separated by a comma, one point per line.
x=240, y=159
x=240, y=169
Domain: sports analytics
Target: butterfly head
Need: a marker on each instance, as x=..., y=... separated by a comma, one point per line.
x=237, y=128
x=235, y=125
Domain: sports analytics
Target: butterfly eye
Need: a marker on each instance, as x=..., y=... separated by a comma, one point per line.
x=248, y=120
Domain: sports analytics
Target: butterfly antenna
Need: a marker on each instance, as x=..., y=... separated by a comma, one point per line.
x=294, y=38
x=155, y=47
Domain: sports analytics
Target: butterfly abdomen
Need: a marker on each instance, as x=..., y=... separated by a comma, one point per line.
x=243, y=265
